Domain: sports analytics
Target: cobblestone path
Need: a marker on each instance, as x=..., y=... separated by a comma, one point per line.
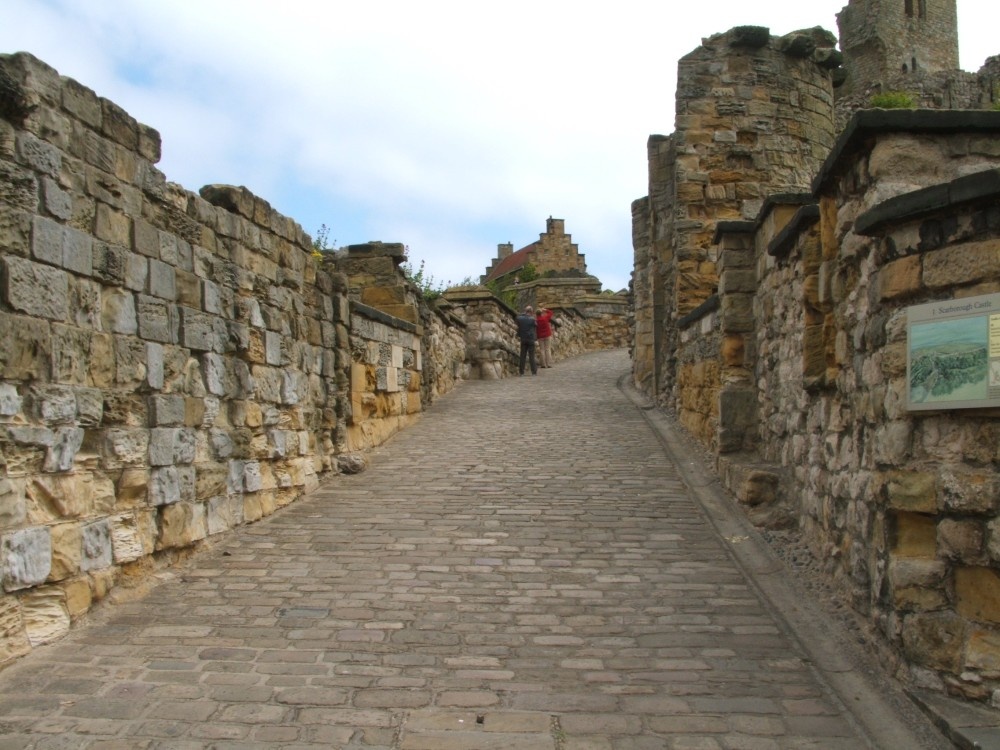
x=522, y=570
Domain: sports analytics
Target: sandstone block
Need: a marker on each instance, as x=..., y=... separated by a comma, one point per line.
x=129, y=539
x=934, y=639
x=962, y=264
x=24, y=344
x=977, y=594
x=915, y=535
x=45, y=615
x=983, y=652
x=79, y=596
x=67, y=546
x=918, y=584
x=112, y=226
x=181, y=525
x=36, y=290
x=157, y=320
x=13, y=638
x=900, y=278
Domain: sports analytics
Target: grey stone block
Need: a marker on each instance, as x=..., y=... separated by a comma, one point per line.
x=154, y=365
x=162, y=280
x=272, y=348
x=25, y=558
x=56, y=200
x=77, y=252
x=118, y=312
x=136, y=272
x=54, y=404
x=97, y=546
x=65, y=445
x=166, y=410
x=47, y=240
x=10, y=401
x=164, y=486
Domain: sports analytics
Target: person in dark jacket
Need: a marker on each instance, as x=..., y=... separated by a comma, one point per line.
x=527, y=332
x=543, y=321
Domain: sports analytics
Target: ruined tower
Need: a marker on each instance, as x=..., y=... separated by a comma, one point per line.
x=884, y=40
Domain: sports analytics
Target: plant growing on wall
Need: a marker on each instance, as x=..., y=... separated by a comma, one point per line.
x=892, y=100
x=430, y=289
x=321, y=242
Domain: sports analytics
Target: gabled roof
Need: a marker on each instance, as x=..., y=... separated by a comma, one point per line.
x=511, y=263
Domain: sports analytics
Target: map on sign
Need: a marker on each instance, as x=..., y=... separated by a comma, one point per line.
x=953, y=354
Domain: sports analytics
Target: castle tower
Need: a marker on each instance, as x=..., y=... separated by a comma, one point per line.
x=884, y=40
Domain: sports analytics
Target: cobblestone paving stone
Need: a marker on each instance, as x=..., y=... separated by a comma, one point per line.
x=522, y=570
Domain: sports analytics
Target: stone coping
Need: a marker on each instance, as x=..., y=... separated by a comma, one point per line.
x=980, y=186
x=871, y=122
x=708, y=306
x=733, y=227
x=784, y=240
x=390, y=320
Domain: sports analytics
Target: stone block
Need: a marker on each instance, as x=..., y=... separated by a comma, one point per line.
x=77, y=252
x=13, y=638
x=977, y=594
x=900, y=278
x=125, y=447
x=36, y=290
x=959, y=539
x=45, y=615
x=201, y=332
x=961, y=264
x=67, y=546
x=97, y=545
x=166, y=410
x=934, y=639
x=915, y=535
x=162, y=280
x=272, y=348
x=25, y=557
x=47, y=241
x=158, y=321
x=79, y=596
x=38, y=155
x=62, y=452
x=181, y=525
x=918, y=584
x=164, y=486
x=126, y=539
x=24, y=346
x=983, y=652
x=112, y=225
x=53, y=497
x=118, y=313
x=224, y=512
x=136, y=273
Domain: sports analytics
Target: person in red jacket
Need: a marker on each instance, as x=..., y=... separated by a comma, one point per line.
x=543, y=323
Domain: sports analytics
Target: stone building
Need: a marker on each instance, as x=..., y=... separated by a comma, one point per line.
x=776, y=258
x=882, y=39
x=554, y=253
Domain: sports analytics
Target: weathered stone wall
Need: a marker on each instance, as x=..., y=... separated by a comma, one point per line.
x=172, y=364
x=385, y=376
x=904, y=505
x=754, y=117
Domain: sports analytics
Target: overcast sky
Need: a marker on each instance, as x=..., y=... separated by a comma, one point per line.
x=447, y=126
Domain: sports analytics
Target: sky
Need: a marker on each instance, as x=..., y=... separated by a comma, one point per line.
x=448, y=126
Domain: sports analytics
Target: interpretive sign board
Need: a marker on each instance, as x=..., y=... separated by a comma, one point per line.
x=953, y=354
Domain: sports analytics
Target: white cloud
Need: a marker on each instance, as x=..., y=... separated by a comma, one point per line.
x=447, y=125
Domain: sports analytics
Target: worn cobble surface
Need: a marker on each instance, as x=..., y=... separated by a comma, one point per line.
x=524, y=569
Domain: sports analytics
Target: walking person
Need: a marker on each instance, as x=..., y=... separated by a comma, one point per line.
x=527, y=332
x=543, y=323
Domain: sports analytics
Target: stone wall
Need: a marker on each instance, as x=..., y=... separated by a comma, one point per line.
x=901, y=506
x=172, y=364
x=386, y=367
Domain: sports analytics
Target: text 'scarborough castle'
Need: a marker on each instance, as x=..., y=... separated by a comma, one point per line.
x=175, y=364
